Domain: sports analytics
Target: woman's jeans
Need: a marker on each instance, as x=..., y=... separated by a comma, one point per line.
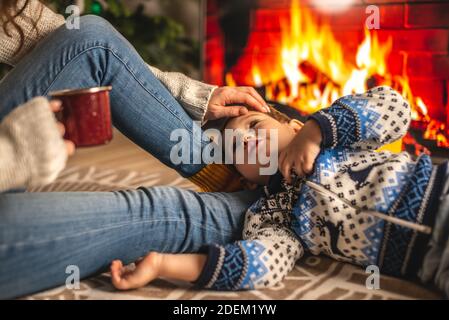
x=43, y=234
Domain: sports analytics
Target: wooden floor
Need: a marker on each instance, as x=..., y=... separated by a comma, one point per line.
x=121, y=154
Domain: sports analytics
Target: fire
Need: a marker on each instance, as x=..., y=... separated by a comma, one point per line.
x=312, y=70
x=309, y=52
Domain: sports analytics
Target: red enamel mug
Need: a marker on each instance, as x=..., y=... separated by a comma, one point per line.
x=86, y=115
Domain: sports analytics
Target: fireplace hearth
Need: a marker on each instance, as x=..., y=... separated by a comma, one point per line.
x=304, y=54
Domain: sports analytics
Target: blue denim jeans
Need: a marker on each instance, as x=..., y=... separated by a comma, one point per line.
x=41, y=234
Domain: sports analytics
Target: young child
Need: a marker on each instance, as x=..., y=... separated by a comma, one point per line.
x=356, y=205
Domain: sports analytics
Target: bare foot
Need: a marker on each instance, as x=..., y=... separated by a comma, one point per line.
x=146, y=271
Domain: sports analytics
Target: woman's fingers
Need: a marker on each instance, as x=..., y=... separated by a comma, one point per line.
x=70, y=146
x=233, y=111
x=55, y=105
x=61, y=128
x=249, y=100
x=253, y=92
x=225, y=98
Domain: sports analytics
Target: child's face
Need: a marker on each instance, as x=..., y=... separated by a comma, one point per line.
x=256, y=121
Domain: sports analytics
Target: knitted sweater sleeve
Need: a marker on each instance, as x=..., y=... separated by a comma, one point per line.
x=267, y=253
x=366, y=121
x=193, y=95
x=36, y=21
x=248, y=265
x=32, y=152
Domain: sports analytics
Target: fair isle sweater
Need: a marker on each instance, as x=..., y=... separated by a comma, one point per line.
x=358, y=205
x=22, y=166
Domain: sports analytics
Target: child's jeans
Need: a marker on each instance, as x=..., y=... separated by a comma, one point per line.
x=435, y=269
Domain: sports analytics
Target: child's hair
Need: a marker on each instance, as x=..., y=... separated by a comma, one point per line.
x=277, y=115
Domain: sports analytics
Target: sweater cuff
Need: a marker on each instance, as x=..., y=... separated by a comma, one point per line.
x=328, y=129
x=196, y=99
x=36, y=142
x=214, y=255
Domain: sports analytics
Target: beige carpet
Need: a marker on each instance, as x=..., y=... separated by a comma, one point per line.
x=312, y=278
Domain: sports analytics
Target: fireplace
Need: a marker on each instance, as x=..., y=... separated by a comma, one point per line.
x=306, y=53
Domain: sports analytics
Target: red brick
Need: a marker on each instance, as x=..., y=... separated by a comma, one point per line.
x=396, y=63
x=425, y=65
x=214, y=45
x=212, y=26
x=212, y=7
x=397, y=1
x=274, y=3
x=392, y=16
x=264, y=40
x=329, y=4
x=427, y=15
x=268, y=19
x=447, y=106
x=354, y=17
x=431, y=40
x=287, y=3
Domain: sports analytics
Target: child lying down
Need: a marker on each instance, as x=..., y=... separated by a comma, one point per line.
x=354, y=204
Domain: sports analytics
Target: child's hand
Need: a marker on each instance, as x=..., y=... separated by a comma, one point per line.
x=147, y=269
x=302, y=151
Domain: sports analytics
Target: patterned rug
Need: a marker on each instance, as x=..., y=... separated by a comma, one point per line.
x=312, y=278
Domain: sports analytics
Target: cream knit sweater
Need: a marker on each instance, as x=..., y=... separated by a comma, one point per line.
x=31, y=151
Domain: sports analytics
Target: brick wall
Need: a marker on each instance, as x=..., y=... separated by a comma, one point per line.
x=420, y=32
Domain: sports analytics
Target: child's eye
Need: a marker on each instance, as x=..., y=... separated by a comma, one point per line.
x=253, y=123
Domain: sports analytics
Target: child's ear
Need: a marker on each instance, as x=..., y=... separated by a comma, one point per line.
x=295, y=124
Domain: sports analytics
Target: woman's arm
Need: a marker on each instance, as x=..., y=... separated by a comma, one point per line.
x=32, y=151
x=35, y=13
x=193, y=95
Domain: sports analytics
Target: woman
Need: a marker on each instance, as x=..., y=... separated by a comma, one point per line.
x=43, y=233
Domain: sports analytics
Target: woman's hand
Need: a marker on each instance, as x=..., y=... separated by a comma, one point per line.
x=55, y=106
x=299, y=156
x=228, y=101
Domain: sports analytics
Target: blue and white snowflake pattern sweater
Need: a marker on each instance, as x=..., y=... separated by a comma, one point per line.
x=359, y=205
